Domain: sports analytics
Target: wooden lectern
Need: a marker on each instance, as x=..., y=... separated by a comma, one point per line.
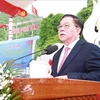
x=56, y=89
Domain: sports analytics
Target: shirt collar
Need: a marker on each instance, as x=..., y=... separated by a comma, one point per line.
x=72, y=44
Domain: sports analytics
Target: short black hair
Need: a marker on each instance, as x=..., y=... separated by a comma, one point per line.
x=76, y=20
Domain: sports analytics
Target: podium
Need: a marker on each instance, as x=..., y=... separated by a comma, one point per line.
x=56, y=89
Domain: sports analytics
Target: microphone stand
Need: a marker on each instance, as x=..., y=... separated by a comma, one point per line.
x=27, y=69
x=28, y=55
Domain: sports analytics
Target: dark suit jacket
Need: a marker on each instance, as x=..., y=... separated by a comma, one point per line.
x=83, y=62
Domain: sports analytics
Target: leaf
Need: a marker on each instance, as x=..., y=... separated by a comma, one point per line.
x=13, y=95
x=17, y=97
x=8, y=65
x=6, y=87
x=14, y=69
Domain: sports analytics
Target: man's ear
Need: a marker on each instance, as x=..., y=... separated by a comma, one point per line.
x=78, y=30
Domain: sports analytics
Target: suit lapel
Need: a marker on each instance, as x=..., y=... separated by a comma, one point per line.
x=72, y=54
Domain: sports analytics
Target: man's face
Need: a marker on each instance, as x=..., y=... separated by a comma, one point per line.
x=67, y=30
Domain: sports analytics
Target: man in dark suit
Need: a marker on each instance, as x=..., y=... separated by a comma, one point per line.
x=83, y=58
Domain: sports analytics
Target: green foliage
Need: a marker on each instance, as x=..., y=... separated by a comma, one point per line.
x=47, y=26
x=3, y=31
x=7, y=72
x=48, y=30
x=86, y=11
x=4, y=18
x=16, y=20
x=21, y=19
x=89, y=3
x=14, y=70
x=84, y=14
x=27, y=19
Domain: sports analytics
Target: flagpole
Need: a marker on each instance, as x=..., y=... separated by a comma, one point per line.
x=10, y=34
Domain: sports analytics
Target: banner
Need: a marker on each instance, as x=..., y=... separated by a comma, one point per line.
x=15, y=49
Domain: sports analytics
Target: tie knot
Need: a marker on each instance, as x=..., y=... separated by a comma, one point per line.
x=67, y=48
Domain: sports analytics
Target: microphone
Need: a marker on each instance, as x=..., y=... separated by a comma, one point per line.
x=49, y=49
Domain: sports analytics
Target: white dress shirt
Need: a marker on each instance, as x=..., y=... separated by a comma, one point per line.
x=62, y=53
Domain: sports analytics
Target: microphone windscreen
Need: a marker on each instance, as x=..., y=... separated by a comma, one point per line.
x=51, y=49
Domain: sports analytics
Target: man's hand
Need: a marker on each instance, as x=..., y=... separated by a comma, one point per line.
x=50, y=76
x=62, y=77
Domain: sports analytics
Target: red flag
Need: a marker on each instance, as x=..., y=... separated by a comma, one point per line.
x=22, y=12
x=34, y=10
